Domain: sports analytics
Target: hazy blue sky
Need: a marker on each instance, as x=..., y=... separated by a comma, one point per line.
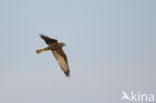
x=111, y=47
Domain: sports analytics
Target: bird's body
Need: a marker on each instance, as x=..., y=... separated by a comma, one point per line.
x=55, y=46
x=57, y=51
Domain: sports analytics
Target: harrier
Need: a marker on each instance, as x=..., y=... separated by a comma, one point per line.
x=57, y=51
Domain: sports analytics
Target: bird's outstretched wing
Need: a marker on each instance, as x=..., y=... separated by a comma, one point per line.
x=62, y=60
x=47, y=39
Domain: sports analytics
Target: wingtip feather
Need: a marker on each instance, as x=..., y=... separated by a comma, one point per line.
x=67, y=73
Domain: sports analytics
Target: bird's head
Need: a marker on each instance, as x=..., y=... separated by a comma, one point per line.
x=62, y=44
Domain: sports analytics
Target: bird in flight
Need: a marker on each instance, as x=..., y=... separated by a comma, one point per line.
x=57, y=51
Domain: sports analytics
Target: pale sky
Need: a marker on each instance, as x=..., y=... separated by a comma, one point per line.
x=110, y=44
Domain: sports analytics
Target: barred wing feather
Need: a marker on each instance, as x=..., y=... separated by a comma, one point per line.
x=62, y=60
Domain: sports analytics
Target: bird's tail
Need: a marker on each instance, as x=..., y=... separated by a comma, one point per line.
x=42, y=50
